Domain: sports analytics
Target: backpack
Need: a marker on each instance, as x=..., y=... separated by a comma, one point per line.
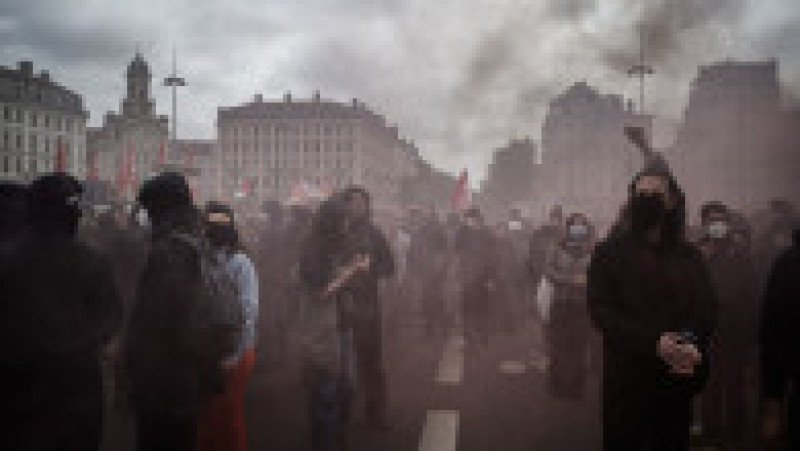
x=218, y=317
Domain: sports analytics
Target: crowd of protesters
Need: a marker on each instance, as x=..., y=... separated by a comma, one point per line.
x=163, y=310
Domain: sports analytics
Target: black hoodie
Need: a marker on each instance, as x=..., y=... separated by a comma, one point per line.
x=780, y=334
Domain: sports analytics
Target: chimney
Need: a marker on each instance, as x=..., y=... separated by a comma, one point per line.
x=355, y=103
x=258, y=98
x=317, y=97
x=44, y=76
x=287, y=97
x=630, y=105
x=26, y=67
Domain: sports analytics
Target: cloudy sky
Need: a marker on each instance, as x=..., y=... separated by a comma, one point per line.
x=460, y=77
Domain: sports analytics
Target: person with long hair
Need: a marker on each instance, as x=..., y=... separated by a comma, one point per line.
x=222, y=424
x=328, y=267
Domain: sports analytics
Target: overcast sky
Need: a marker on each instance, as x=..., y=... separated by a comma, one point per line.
x=460, y=77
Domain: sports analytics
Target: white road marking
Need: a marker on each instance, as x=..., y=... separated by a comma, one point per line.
x=440, y=432
x=451, y=367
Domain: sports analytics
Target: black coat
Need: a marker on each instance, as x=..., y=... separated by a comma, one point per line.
x=736, y=283
x=59, y=303
x=58, y=308
x=167, y=372
x=780, y=359
x=637, y=292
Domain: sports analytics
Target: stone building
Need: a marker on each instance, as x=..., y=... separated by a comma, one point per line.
x=509, y=179
x=272, y=146
x=737, y=143
x=132, y=145
x=39, y=117
x=587, y=161
x=197, y=160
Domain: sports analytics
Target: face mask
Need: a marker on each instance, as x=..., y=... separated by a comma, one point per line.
x=578, y=231
x=718, y=230
x=647, y=210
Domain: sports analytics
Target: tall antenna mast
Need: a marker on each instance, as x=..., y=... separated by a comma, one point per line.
x=641, y=71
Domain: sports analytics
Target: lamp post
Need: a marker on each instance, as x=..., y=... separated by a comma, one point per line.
x=173, y=81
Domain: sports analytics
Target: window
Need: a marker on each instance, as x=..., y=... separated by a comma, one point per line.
x=34, y=119
x=32, y=143
x=19, y=142
x=7, y=118
x=46, y=120
x=19, y=116
x=6, y=166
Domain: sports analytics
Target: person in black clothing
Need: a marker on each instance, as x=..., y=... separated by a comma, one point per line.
x=475, y=247
x=735, y=344
x=169, y=377
x=427, y=264
x=652, y=300
x=364, y=238
x=328, y=269
x=780, y=365
x=13, y=199
x=59, y=309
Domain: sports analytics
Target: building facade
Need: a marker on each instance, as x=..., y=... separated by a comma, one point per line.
x=737, y=144
x=272, y=147
x=41, y=123
x=509, y=178
x=197, y=160
x=132, y=145
x=587, y=161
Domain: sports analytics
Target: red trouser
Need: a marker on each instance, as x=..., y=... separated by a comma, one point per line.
x=221, y=425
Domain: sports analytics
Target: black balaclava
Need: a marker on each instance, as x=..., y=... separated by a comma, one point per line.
x=220, y=226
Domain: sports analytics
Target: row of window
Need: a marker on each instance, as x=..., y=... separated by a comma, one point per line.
x=13, y=164
x=292, y=146
x=291, y=163
x=279, y=130
x=14, y=141
x=35, y=119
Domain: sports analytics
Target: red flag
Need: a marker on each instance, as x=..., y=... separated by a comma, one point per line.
x=121, y=174
x=91, y=164
x=462, y=196
x=61, y=157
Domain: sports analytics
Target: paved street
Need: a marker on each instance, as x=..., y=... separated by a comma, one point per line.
x=444, y=395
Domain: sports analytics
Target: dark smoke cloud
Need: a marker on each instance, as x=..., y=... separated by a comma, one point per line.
x=659, y=27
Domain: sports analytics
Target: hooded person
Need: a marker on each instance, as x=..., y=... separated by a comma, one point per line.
x=364, y=238
x=170, y=378
x=652, y=300
x=735, y=345
x=780, y=364
x=59, y=309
